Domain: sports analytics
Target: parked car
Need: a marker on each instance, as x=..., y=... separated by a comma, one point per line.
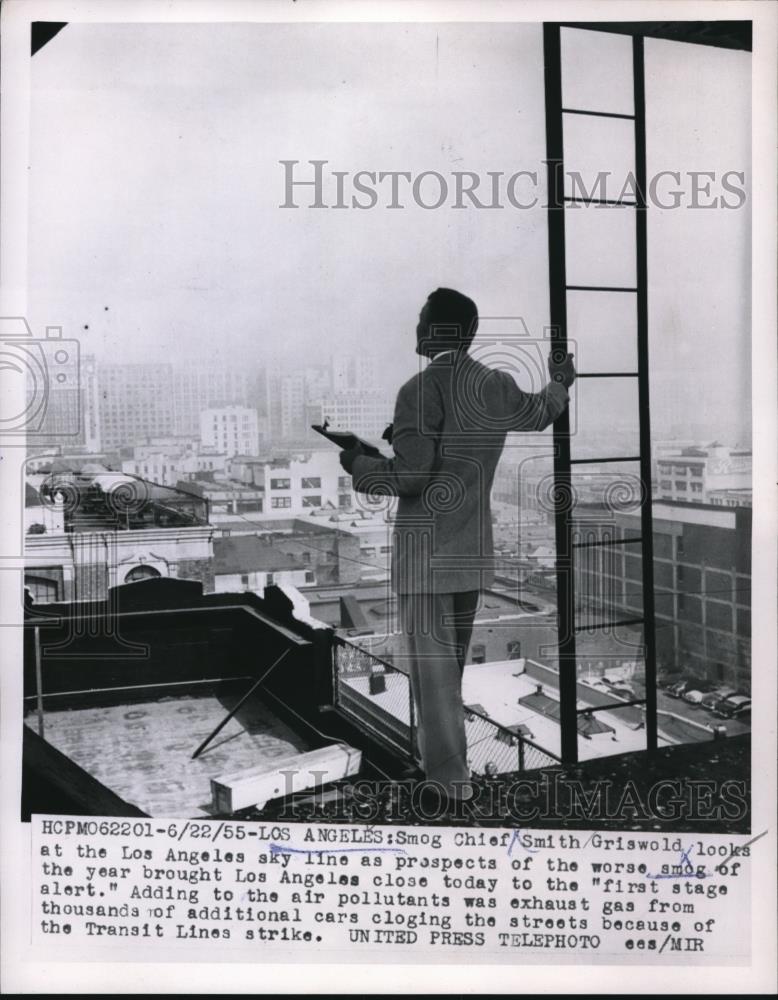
x=620, y=688
x=734, y=707
x=695, y=693
x=596, y=683
x=733, y=694
x=677, y=690
x=711, y=699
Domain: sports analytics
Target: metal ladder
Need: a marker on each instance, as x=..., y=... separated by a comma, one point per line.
x=570, y=545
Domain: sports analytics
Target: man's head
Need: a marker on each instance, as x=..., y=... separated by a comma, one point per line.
x=448, y=321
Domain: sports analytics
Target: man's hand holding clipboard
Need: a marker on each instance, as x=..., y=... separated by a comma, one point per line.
x=350, y=444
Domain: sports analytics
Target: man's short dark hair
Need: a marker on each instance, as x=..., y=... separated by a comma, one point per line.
x=453, y=319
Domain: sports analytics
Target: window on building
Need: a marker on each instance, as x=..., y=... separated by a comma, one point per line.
x=280, y=484
x=663, y=575
x=311, y=483
x=718, y=585
x=141, y=573
x=633, y=567
x=680, y=484
x=310, y=576
x=313, y=501
x=690, y=579
x=306, y=557
x=718, y=616
x=271, y=579
x=514, y=650
x=279, y=502
x=344, y=482
x=690, y=608
x=42, y=590
x=244, y=579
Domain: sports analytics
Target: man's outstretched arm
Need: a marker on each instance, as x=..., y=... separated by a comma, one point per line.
x=534, y=411
x=415, y=447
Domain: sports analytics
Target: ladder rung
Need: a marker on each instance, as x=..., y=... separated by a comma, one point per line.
x=596, y=114
x=598, y=461
x=610, y=705
x=607, y=374
x=577, y=200
x=609, y=541
x=597, y=288
x=598, y=625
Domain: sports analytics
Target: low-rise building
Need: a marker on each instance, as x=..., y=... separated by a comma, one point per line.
x=230, y=429
x=247, y=469
x=374, y=531
x=698, y=474
x=81, y=566
x=169, y=460
x=301, y=483
x=103, y=528
x=252, y=563
x=43, y=518
x=330, y=551
x=733, y=497
x=225, y=497
x=702, y=584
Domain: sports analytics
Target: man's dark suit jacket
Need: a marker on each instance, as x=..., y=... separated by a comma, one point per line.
x=450, y=424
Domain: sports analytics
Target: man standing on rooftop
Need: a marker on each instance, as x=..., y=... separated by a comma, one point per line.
x=449, y=430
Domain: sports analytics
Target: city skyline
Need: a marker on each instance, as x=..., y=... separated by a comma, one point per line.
x=288, y=400
x=211, y=265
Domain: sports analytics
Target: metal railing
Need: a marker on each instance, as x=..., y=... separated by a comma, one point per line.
x=377, y=696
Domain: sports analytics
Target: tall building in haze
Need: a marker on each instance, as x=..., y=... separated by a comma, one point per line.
x=136, y=402
x=198, y=386
x=232, y=430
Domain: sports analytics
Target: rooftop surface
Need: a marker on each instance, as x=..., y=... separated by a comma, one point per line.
x=509, y=697
x=249, y=554
x=143, y=751
x=378, y=602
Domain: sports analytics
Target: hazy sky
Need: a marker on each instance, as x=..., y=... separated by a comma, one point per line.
x=155, y=191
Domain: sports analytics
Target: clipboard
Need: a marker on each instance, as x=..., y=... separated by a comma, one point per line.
x=347, y=439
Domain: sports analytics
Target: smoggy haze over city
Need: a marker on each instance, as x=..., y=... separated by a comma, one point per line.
x=156, y=232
